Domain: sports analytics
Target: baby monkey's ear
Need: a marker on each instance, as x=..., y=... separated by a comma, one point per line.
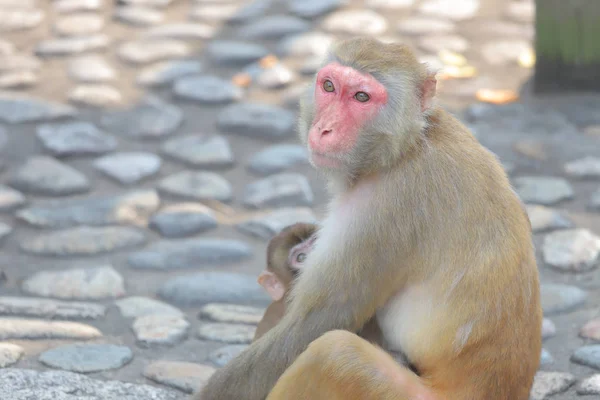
x=272, y=285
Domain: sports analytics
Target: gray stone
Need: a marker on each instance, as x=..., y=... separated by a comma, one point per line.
x=227, y=333
x=18, y=328
x=425, y=26
x=280, y=190
x=251, y=10
x=559, y=299
x=196, y=185
x=137, y=306
x=213, y=12
x=44, y=175
x=18, y=80
x=546, y=219
x=189, y=253
x=257, y=120
x=590, y=385
x=50, y=309
x=90, y=68
x=25, y=384
x=572, y=250
x=10, y=198
x=129, y=168
x=151, y=118
x=390, y=4
x=588, y=356
x=139, y=15
x=72, y=45
x=214, y=287
x=19, y=108
x=79, y=24
x=548, y=329
x=224, y=355
x=12, y=20
x=3, y=137
x=277, y=158
x=153, y=330
x=546, y=358
x=95, y=95
x=87, y=357
x=182, y=31
x=18, y=4
x=10, y=354
x=148, y=3
x=462, y=10
x=231, y=52
x=165, y=72
x=134, y=207
x=177, y=224
x=69, y=6
x=273, y=27
x=356, y=22
x=591, y=330
x=521, y=11
x=595, y=200
x=436, y=43
x=75, y=139
x=306, y=44
x=313, y=8
x=200, y=150
x=19, y=62
x=275, y=77
x=543, y=190
x=547, y=384
x=152, y=50
x=507, y=29
x=587, y=167
x=6, y=48
x=207, y=89
x=92, y=283
x=5, y=230
x=267, y=226
x=232, y=313
x=185, y=376
x=310, y=66
x=84, y=241
x=504, y=52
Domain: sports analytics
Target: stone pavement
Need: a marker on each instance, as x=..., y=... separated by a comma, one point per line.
x=148, y=153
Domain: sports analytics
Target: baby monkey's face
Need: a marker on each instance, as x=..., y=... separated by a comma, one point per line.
x=298, y=253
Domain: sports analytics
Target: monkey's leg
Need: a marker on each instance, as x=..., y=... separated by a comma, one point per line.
x=342, y=366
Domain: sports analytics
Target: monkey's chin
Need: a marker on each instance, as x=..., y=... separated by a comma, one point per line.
x=323, y=161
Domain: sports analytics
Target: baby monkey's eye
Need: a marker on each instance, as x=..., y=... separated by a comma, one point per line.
x=300, y=257
x=328, y=86
x=362, y=97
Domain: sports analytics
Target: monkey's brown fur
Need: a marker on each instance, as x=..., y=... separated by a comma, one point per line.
x=423, y=223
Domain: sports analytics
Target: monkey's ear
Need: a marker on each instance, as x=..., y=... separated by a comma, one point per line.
x=428, y=91
x=272, y=285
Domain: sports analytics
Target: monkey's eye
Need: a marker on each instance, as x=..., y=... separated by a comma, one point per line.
x=300, y=257
x=328, y=86
x=362, y=97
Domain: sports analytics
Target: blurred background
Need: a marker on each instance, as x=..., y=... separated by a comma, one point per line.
x=148, y=153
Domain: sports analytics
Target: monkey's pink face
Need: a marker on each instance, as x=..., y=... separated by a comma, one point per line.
x=345, y=100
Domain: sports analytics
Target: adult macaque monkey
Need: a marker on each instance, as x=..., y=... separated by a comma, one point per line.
x=423, y=230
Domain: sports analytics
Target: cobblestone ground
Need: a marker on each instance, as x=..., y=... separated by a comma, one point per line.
x=148, y=154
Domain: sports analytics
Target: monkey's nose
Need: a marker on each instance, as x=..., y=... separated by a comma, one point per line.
x=325, y=132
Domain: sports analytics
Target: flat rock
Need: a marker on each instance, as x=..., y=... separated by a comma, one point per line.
x=132, y=207
x=390, y=4
x=213, y=12
x=18, y=79
x=137, y=306
x=543, y=190
x=280, y=190
x=231, y=52
x=213, y=287
x=10, y=354
x=545, y=219
x=148, y=3
x=356, y=22
x=92, y=283
x=232, y=313
x=150, y=118
x=178, y=224
x=79, y=24
x=44, y=175
x=572, y=250
x=425, y=26
x=547, y=384
x=17, y=328
x=451, y=9
x=207, y=89
x=277, y=158
x=90, y=68
x=26, y=384
x=139, y=15
x=84, y=241
x=69, y=6
x=504, y=52
x=19, y=108
x=86, y=357
x=521, y=11
x=548, y=329
x=200, y=150
x=50, y=309
x=313, y=8
x=181, y=30
x=12, y=20
x=546, y=358
x=152, y=50
x=588, y=356
x=185, y=376
x=3, y=137
x=129, y=168
x=595, y=200
x=5, y=230
x=227, y=333
x=273, y=27
x=6, y=48
x=587, y=167
x=165, y=72
x=75, y=139
x=10, y=199
x=189, y=253
x=19, y=62
x=559, y=299
x=72, y=45
x=440, y=42
x=591, y=330
x=267, y=226
x=251, y=10
x=153, y=330
x=197, y=185
x=257, y=120
x=223, y=355
x=275, y=77
x=95, y=95
x=306, y=44
x=589, y=386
